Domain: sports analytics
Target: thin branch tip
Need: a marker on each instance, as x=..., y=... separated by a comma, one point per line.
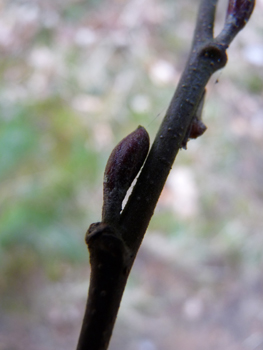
x=237, y=16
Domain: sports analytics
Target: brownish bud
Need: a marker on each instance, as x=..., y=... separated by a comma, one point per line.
x=197, y=127
x=122, y=167
x=240, y=11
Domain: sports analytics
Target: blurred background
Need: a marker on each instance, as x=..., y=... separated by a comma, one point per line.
x=76, y=77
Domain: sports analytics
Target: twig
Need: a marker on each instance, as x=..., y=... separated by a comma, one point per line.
x=114, y=242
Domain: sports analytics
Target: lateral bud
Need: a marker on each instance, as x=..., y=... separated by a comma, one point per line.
x=122, y=167
x=197, y=127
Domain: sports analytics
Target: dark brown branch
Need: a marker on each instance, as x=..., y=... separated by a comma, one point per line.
x=113, y=243
x=109, y=262
x=204, y=60
x=205, y=22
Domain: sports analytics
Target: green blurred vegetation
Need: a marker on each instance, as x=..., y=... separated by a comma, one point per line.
x=44, y=163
